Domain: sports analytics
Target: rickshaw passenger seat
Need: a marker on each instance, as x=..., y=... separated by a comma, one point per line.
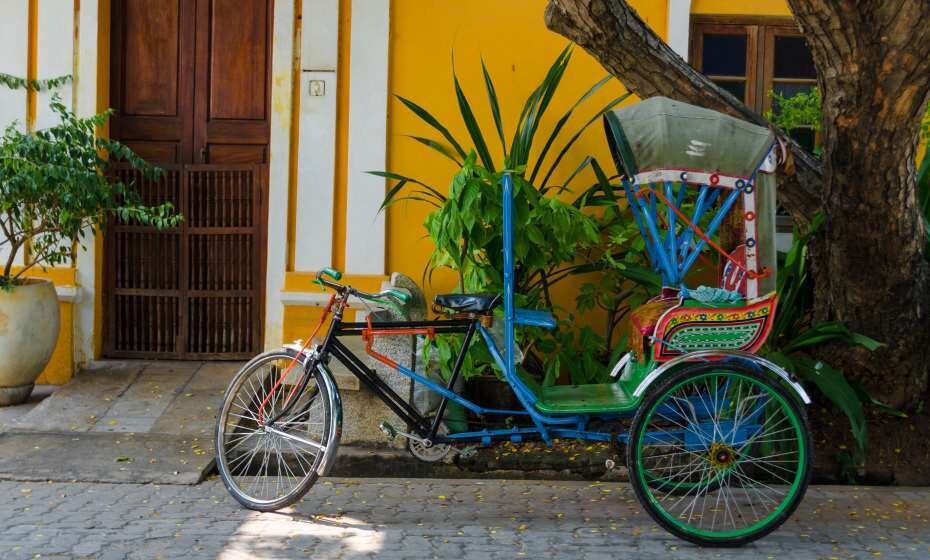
x=584, y=399
x=645, y=317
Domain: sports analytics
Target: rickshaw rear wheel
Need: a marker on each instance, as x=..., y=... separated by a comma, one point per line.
x=747, y=448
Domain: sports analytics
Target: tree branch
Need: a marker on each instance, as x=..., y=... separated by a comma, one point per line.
x=8, y=268
x=612, y=32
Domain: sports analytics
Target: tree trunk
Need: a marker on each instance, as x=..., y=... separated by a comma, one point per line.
x=873, y=67
x=873, y=64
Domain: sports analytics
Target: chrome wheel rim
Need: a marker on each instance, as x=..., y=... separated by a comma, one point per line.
x=267, y=463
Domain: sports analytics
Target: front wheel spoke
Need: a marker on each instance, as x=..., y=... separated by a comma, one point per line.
x=259, y=447
x=763, y=432
x=712, y=432
x=239, y=441
x=296, y=438
x=757, y=485
x=693, y=429
x=705, y=485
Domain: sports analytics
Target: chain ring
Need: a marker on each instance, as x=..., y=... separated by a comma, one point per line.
x=434, y=453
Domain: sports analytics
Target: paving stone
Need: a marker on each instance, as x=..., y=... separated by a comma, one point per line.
x=403, y=518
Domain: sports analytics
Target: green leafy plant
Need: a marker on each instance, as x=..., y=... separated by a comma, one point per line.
x=555, y=239
x=15, y=82
x=55, y=190
x=923, y=193
x=791, y=112
x=794, y=334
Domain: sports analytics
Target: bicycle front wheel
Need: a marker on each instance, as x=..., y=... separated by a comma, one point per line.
x=269, y=466
x=719, y=454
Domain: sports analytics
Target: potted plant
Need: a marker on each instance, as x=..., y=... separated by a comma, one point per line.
x=54, y=190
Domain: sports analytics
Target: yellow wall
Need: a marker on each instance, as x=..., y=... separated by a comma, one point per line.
x=518, y=49
x=60, y=368
x=756, y=7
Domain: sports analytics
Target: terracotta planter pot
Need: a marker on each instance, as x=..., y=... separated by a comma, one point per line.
x=28, y=333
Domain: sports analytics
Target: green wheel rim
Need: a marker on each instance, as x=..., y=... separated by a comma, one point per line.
x=765, y=490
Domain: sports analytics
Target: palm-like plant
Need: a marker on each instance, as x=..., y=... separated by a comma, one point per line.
x=467, y=231
x=556, y=239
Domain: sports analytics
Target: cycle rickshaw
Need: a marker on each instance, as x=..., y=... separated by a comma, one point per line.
x=716, y=437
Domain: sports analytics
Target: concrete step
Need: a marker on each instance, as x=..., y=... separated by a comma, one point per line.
x=105, y=457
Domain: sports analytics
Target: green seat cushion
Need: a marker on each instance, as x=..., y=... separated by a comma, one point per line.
x=580, y=399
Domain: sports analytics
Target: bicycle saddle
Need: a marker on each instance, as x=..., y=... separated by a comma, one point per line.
x=468, y=303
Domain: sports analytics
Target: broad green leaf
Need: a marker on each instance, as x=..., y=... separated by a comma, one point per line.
x=535, y=106
x=571, y=142
x=397, y=177
x=866, y=398
x=834, y=386
x=430, y=143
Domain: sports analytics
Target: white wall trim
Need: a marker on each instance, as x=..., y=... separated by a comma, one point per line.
x=14, y=44
x=367, y=151
x=55, y=46
x=68, y=294
x=679, y=26
x=321, y=299
x=282, y=67
x=316, y=160
x=85, y=104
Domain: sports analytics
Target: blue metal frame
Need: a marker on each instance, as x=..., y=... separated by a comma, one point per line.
x=673, y=255
x=544, y=426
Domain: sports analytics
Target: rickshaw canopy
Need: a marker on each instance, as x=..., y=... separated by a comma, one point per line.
x=657, y=139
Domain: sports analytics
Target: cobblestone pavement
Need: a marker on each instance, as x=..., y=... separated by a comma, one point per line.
x=428, y=518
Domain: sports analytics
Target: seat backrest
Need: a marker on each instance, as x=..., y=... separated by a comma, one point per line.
x=524, y=393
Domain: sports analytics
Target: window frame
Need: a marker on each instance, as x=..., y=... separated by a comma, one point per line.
x=761, y=32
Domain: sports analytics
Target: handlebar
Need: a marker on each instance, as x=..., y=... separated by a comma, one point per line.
x=331, y=272
x=398, y=295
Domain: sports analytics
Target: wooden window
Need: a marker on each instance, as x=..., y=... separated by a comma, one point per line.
x=752, y=56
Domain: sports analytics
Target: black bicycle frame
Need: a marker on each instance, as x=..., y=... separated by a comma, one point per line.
x=419, y=424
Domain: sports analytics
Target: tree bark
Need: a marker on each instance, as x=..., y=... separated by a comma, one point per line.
x=873, y=65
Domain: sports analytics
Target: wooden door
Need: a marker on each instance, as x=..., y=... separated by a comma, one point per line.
x=190, y=82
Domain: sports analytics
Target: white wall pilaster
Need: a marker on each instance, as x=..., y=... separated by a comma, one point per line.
x=316, y=165
x=368, y=98
x=55, y=44
x=282, y=67
x=84, y=87
x=14, y=44
x=679, y=26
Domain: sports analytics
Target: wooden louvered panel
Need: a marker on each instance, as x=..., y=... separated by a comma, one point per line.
x=194, y=292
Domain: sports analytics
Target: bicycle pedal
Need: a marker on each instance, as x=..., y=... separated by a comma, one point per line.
x=387, y=430
x=468, y=452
